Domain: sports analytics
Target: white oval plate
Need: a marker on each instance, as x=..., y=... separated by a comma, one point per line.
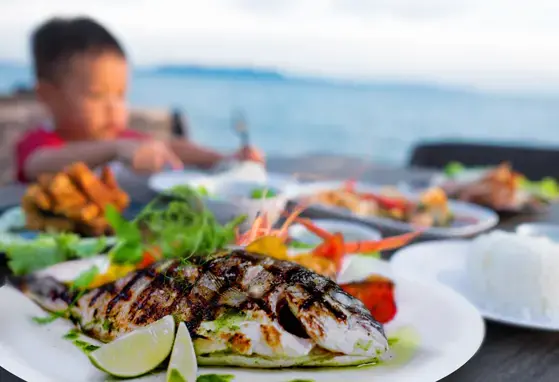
x=443, y=331
x=444, y=262
x=485, y=218
x=166, y=180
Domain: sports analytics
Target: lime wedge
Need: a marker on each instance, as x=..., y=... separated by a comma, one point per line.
x=182, y=366
x=137, y=352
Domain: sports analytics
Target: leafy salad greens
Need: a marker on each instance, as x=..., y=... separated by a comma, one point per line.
x=29, y=256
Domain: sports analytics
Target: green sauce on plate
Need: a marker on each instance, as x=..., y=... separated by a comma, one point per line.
x=215, y=378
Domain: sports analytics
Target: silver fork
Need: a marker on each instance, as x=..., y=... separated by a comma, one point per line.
x=241, y=128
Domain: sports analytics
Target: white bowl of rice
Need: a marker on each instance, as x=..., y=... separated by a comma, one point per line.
x=515, y=275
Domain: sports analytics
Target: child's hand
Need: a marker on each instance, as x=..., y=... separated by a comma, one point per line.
x=251, y=154
x=147, y=156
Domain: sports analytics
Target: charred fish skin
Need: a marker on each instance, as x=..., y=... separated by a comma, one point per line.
x=238, y=307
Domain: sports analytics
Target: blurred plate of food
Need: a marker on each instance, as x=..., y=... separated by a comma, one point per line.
x=497, y=187
x=243, y=197
x=68, y=202
x=395, y=209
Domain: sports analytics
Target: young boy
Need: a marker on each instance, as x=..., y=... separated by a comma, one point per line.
x=81, y=78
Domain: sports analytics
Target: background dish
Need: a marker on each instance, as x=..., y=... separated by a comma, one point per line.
x=482, y=218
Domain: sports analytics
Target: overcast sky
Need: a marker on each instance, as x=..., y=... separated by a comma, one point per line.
x=486, y=43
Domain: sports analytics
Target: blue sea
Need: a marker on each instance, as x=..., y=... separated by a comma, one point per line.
x=382, y=122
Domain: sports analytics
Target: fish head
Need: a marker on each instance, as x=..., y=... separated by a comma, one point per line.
x=285, y=315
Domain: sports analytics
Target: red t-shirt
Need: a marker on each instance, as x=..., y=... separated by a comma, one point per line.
x=40, y=138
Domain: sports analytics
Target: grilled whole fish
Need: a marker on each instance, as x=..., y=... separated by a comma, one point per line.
x=241, y=309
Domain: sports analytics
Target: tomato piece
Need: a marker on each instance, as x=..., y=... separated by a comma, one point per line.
x=147, y=260
x=377, y=293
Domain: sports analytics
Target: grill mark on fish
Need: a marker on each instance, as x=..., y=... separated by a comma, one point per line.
x=140, y=314
x=316, y=294
x=107, y=288
x=124, y=292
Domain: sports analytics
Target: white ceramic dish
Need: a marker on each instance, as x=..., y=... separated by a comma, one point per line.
x=245, y=171
x=444, y=262
x=485, y=219
x=166, y=180
x=438, y=330
x=237, y=193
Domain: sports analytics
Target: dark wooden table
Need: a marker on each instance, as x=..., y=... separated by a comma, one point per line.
x=508, y=354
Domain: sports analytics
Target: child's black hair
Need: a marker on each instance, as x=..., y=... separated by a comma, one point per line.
x=57, y=40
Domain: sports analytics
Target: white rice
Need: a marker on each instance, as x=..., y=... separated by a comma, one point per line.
x=515, y=275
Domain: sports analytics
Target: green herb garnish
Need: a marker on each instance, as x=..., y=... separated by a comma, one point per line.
x=72, y=334
x=47, y=319
x=86, y=347
x=85, y=278
x=180, y=224
x=177, y=223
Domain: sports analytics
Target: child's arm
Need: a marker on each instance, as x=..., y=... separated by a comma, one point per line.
x=196, y=155
x=143, y=156
x=54, y=159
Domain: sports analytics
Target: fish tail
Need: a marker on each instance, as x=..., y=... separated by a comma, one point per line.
x=45, y=291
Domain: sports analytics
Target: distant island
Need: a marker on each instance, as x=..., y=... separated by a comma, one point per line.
x=21, y=72
x=227, y=72
x=262, y=74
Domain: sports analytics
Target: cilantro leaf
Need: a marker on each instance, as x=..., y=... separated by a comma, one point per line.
x=89, y=249
x=85, y=278
x=127, y=252
x=47, y=319
x=124, y=229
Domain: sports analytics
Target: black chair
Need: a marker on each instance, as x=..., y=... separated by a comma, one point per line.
x=534, y=162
